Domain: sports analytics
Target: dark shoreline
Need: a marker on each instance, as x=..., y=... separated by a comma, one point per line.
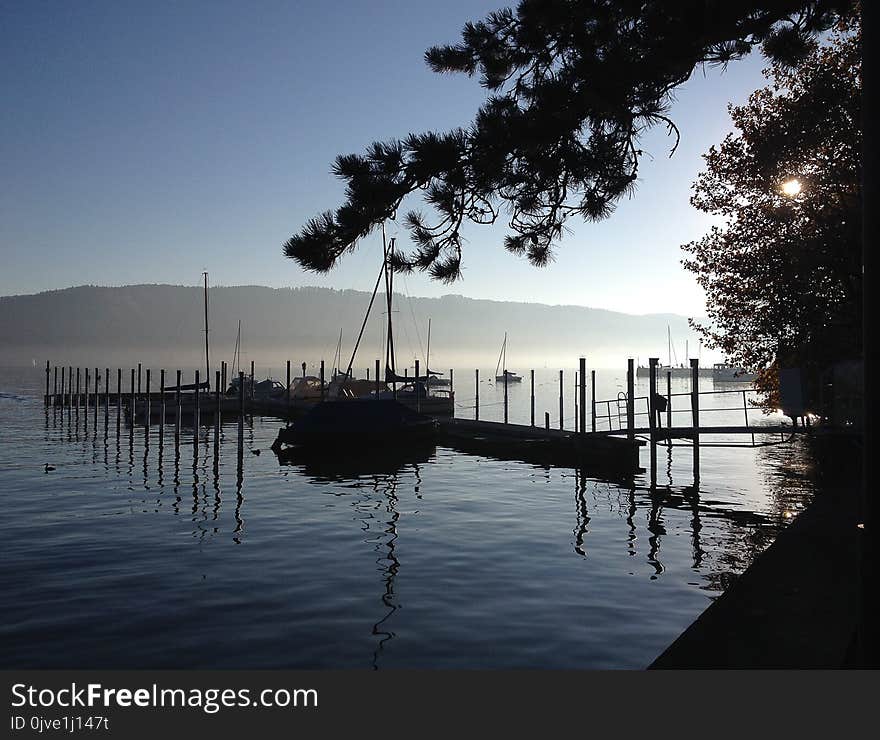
x=798, y=604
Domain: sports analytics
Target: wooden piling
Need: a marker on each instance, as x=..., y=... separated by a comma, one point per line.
x=118, y=398
x=630, y=400
x=77, y=389
x=147, y=405
x=218, y=407
x=241, y=393
x=223, y=383
x=378, y=391
x=252, y=380
x=55, y=388
x=63, y=394
x=107, y=389
x=162, y=403
x=575, y=396
x=69, y=386
x=451, y=386
x=177, y=409
x=669, y=399
x=241, y=413
x=505, y=396
x=561, y=408
x=87, y=390
x=197, y=410
x=97, y=375
x=477, y=396
x=322, y=379
x=287, y=392
x=593, y=402
x=139, y=380
x=131, y=405
x=695, y=416
x=582, y=394
x=417, y=386
x=46, y=398
x=547, y=420
x=652, y=415
x=532, y=382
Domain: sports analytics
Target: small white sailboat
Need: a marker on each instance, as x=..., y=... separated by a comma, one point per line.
x=511, y=376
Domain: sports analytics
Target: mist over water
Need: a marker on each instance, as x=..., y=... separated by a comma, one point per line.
x=163, y=325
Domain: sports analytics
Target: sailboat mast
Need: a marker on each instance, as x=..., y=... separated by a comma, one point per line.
x=207, y=356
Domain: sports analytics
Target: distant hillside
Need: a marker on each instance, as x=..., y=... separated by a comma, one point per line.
x=162, y=325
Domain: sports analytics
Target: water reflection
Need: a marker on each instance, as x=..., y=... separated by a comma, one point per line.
x=719, y=535
x=583, y=518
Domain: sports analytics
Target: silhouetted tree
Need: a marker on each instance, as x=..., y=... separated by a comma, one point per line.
x=782, y=272
x=573, y=84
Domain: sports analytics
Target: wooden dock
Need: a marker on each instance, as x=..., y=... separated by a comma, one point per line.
x=541, y=445
x=612, y=449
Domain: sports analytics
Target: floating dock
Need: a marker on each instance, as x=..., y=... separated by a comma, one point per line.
x=542, y=446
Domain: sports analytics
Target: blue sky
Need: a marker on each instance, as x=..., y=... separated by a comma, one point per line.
x=146, y=142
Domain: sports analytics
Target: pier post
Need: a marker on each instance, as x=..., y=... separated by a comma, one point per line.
x=78, y=402
x=593, y=403
x=287, y=391
x=477, y=396
x=695, y=416
x=162, y=403
x=575, y=396
x=217, y=422
x=87, y=394
x=451, y=385
x=47, y=383
x=669, y=401
x=118, y=397
x=107, y=390
x=55, y=388
x=241, y=425
x=97, y=376
x=561, y=407
x=378, y=391
x=417, y=386
x=148, y=404
x=241, y=409
x=505, y=396
x=177, y=410
x=131, y=405
x=304, y=370
x=582, y=395
x=322, y=379
x=196, y=411
x=139, y=380
x=532, y=379
x=547, y=420
x=252, y=380
x=652, y=416
x=63, y=394
x=630, y=400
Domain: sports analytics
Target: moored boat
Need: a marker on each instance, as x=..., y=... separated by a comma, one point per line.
x=360, y=422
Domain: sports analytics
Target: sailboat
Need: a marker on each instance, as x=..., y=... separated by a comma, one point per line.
x=434, y=379
x=511, y=376
x=679, y=370
x=204, y=385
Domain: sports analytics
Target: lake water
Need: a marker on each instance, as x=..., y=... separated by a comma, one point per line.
x=135, y=552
